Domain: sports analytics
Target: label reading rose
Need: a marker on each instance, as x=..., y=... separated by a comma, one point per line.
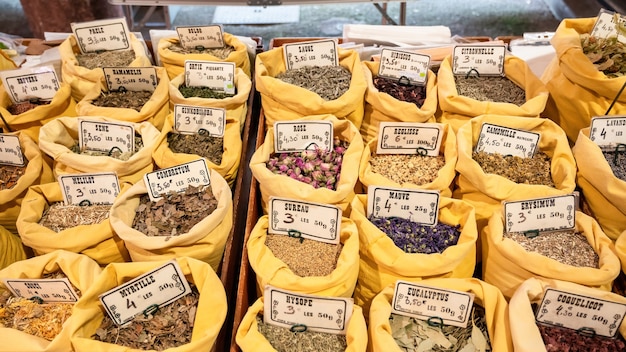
x=293, y=136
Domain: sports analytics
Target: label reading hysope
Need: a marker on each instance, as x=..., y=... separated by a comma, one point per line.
x=137, y=79
x=105, y=136
x=39, y=83
x=10, y=150
x=49, y=290
x=541, y=214
x=201, y=37
x=107, y=35
x=211, y=74
x=480, y=60
x=311, y=53
x=397, y=64
x=295, y=218
x=606, y=25
x=190, y=119
x=496, y=139
x=293, y=136
x=177, y=178
x=156, y=288
x=608, y=131
x=409, y=138
x=89, y=188
x=416, y=205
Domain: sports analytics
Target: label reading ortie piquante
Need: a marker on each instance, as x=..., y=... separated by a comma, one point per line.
x=409, y=138
x=481, y=60
x=89, y=188
x=211, y=74
x=49, y=290
x=311, y=53
x=397, y=64
x=10, y=150
x=137, y=79
x=540, y=214
x=416, y=205
x=201, y=37
x=294, y=136
x=107, y=35
x=316, y=221
x=608, y=131
x=177, y=178
x=191, y=119
x=507, y=141
x=105, y=136
x=24, y=84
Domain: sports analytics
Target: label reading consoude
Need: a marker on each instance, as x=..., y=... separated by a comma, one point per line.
x=177, y=178
x=409, y=138
x=507, y=141
x=211, y=74
x=397, y=64
x=49, y=290
x=190, y=119
x=293, y=136
x=311, y=53
x=137, y=79
x=105, y=136
x=416, y=205
x=108, y=35
x=202, y=37
x=89, y=188
x=315, y=221
x=606, y=25
x=482, y=60
x=10, y=150
x=30, y=83
x=608, y=131
x=541, y=214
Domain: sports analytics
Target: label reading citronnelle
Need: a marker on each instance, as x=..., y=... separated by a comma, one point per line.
x=507, y=141
x=191, y=119
x=137, y=79
x=409, y=138
x=541, y=214
x=201, y=37
x=316, y=221
x=89, y=188
x=212, y=74
x=49, y=290
x=107, y=35
x=416, y=205
x=10, y=150
x=40, y=83
x=398, y=64
x=606, y=25
x=293, y=136
x=311, y=53
x=177, y=178
x=482, y=60
x=608, y=131
x=106, y=136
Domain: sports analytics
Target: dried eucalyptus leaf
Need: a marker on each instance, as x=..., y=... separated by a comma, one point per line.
x=478, y=339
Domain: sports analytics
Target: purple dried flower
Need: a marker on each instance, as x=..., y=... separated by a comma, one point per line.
x=412, y=237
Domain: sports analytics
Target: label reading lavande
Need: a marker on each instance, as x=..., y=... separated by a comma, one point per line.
x=293, y=136
x=137, y=79
x=608, y=131
x=105, y=136
x=417, y=205
x=482, y=60
x=156, y=288
x=49, y=290
x=190, y=119
x=316, y=221
x=108, y=35
x=177, y=178
x=580, y=312
x=606, y=25
x=397, y=64
x=10, y=150
x=300, y=312
x=311, y=53
x=212, y=74
x=507, y=141
x=409, y=138
x=89, y=188
x=25, y=84
x=204, y=37
x=541, y=214
x=426, y=302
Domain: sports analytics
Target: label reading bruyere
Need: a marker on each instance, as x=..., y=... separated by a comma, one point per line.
x=293, y=136
x=49, y=290
x=107, y=35
x=397, y=64
x=10, y=150
x=541, y=214
x=501, y=140
x=201, y=37
x=24, y=84
x=145, y=293
x=105, y=136
x=299, y=312
x=296, y=218
x=417, y=205
x=580, y=312
x=176, y=178
x=409, y=138
x=89, y=188
x=606, y=25
x=423, y=302
x=190, y=119
x=608, y=131
x=483, y=60
x=311, y=53
x=137, y=79
x=215, y=75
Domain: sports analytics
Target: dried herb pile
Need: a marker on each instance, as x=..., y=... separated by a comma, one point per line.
x=115, y=58
x=329, y=82
x=617, y=162
x=567, y=247
x=24, y=106
x=202, y=92
x=59, y=217
x=201, y=144
x=532, y=171
x=407, y=168
x=303, y=256
x=489, y=88
x=608, y=55
x=283, y=340
x=415, y=94
x=220, y=53
x=557, y=339
x=10, y=174
x=413, y=237
x=113, y=153
x=123, y=99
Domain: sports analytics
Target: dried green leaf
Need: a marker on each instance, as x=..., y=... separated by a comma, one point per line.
x=478, y=339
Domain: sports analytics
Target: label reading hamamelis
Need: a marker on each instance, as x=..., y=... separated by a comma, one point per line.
x=301, y=312
x=292, y=136
x=10, y=150
x=316, y=221
x=409, y=138
x=482, y=60
x=417, y=205
x=311, y=53
x=190, y=119
x=108, y=35
x=507, y=141
x=105, y=136
x=608, y=131
x=424, y=302
x=212, y=74
x=89, y=188
x=30, y=83
x=177, y=178
x=576, y=311
x=205, y=37
x=397, y=64
x=606, y=25
x=137, y=79
x=49, y=290
x=541, y=214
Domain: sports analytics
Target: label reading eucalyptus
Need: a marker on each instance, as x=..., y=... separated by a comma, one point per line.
x=417, y=205
x=212, y=74
x=176, y=178
x=606, y=25
x=541, y=214
x=507, y=141
x=395, y=64
x=483, y=60
x=608, y=131
x=108, y=35
x=311, y=53
x=190, y=119
x=105, y=136
x=201, y=37
x=426, y=302
x=144, y=293
x=30, y=83
x=409, y=138
x=137, y=79
x=89, y=188
x=49, y=290
x=10, y=150
x=293, y=136
x=300, y=312
x=580, y=312
x=315, y=221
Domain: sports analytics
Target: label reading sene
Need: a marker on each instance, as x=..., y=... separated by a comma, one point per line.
x=106, y=136
x=293, y=136
x=24, y=84
x=177, y=178
x=49, y=290
x=409, y=138
x=608, y=131
x=137, y=79
x=606, y=25
x=201, y=37
x=397, y=64
x=311, y=53
x=507, y=141
x=10, y=150
x=424, y=302
x=212, y=74
x=580, y=312
x=108, y=35
x=541, y=214
x=483, y=60
x=191, y=119
x=156, y=288
x=300, y=312
x=89, y=188
x=417, y=205
x=316, y=221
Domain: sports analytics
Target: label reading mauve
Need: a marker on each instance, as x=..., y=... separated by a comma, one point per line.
x=106, y=136
x=483, y=60
x=541, y=214
x=608, y=131
x=30, y=83
x=49, y=290
x=107, y=35
x=205, y=37
x=397, y=64
x=311, y=53
x=213, y=74
x=409, y=138
x=10, y=150
x=293, y=136
x=494, y=139
x=89, y=188
x=606, y=25
x=416, y=205
x=137, y=79
x=315, y=221
x=191, y=119
x=177, y=178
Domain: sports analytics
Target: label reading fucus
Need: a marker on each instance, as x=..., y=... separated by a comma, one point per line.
x=211, y=74
x=608, y=131
x=501, y=140
x=580, y=312
x=293, y=136
x=295, y=218
x=24, y=84
x=606, y=25
x=137, y=79
x=108, y=35
x=396, y=64
x=409, y=138
x=541, y=214
x=483, y=60
x=300, y=312
x=49, y=290
x=144, y=293
x=104, y=136
x=201, y=37
x=416, y=205
x=10, y=150
x=191, y=119
x=177, y=178
x=426, y=302
x=89, y=188
x=311, y=53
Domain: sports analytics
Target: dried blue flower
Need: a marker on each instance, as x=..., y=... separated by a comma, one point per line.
x=413, y=237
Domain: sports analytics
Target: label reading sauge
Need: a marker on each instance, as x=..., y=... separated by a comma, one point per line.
x=316, y=221
x=480, y=60
x=311, y=53
x=201, y=37
x=177, y=178
x=507, y=141
x=416, y=205
x=293, y=136
x=190, y=119
x=106, y=136
x=89, y=188
x=541, y=214
x=107, y=35
x=409, y=138
x=397, y=64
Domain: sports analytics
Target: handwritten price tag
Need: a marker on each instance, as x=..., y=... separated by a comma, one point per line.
x=316, y=221
x=190, y=119
x=541, y=214
x=606, y=25
x=177, y=178
x=311, y=53
x=608, y=131
x=215, y=75
x=49, y=290
x=89, y=188
x=507, y=141
x=137, y=79
x=202, y=37
x=395, y=64
x=420, y=206
x=107, y=35
x=106, y=136
x=291, y=136
x=30, y=83
x=409, y=138
x=481, y=59
x=10, y=150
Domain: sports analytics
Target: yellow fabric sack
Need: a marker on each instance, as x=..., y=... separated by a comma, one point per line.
x=80, y=270
x=270, y=270
x=80, y=78
x=12, y=249
x=6, y=63
x=283, y=101
x=210, y=314
x=382, y=107
x=487, y=296
x=620, y=249
x=506, y=264
x=58, y=136
x=96, y=241
x=205, y=241
x=249, y=339
x=154, y=110
x=442, y=183
x=272, y=184
x=458, y=109
x=37, y=172
x=174, y=62
x=382, y=263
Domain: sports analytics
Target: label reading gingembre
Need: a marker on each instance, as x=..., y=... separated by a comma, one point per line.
x=482, y=60
x=30, y=83
x=205, y=37
x=177, y=178
x=541, y=214
x=10, y=150
x=608, y=131
x=89, y=188
x=137, y=79
x=417, y=205
x=49, y=290
x=190, y=119
x=507, y=141
x=106, y=136
x=216, y=75
x=293, y=136
x=311, y=53
x=316, y=221
x=107, y=35
x=409, y=138
x=397, y=64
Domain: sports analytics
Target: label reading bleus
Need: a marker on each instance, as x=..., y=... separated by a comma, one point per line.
x=89, y=188
x=416, y=205
x=311, y=53
x=409, y=138
x=316, y=221
x=541, y=214
x=177, y=178
x=106, y=35
x=293, y=136
x=202, y=37
x=190, y=119
x=507, y=141
x=479, y=60
x=49, y=290
x=105, y=136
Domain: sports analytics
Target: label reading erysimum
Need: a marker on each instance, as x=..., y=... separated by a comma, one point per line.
x=49, y=290
x=145, y=293
x=426, y=302
x=212, y=74
x=190, y=119
x=606, y=25
x=30, y=83
x=541, y=214
x=89, y=188
x=580, y=312
x=295, y=218
x=409, y=138
x=137, y=79
x=299, y=312
x=311, y=53
x=397, y=64
x=105, y=136
x=177, y=178
x=483, y=60
x=416, y=205
x=293, y=136
x=201, y=37
x=10, y=150
x=608, y=131
x=507, y=141
x=108, y=35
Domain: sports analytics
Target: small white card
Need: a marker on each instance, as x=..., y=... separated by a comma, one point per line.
x=137, y=79
x=311, y=53
x=507, y=141
x=89, y=188
x=409, y=138
x=608, y=131
x=177, y=178
x=30, y=83
x=190, y=119
x=48, y=290
x=293, y=136
x=541, y=214
x=11, y=150
x=213, y=74
x=606, y=23
x=107, y=35
x=416, y=205
x=201, y=37
x=106, y=136
x=395, y=64
x=481, y=60
x=315, y=221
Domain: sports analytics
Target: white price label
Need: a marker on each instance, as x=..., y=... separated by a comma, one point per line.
x=409, y=138
x=48, y=290
x=10, y=150
x=608, y=131
x=107, y=35
x=483, y=60
x=507, y=141
x=606, y=25
x=416, y=205
x=541, y=214
x=396, y=64
x=311, y=53
x=315, y=221
x=190, y=119
x=30, y=83
x=89, y=188
x=292, y=136
x=215, y=75
x=137, y=79
x=105, y=136
x=201, y=37
x=177, y=178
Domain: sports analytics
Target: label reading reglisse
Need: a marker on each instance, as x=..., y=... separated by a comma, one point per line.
x=89, y=188
x=105, y=136
x=311, y=53
x=30, y=83
x=409, y=138
x=608, y=131
x=158, y=287
x=507, y=141
x=606, y=25
x=483, y=60
x=541, y=214
x=425, y=302
x=177, y=178
x=190, y=119
x=49, y=290
x=316, y=221
x=10, y=150
x=201, y=37
x=397, y=64
x=417, y=205
x=293, y=136
x=137, y=79
x=211, y=74
x=108, y=35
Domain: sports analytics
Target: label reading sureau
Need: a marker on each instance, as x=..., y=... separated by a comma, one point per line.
x=293, y=136
x=190, y=119
x=541, y=214
x=213, y=74
x=89, y=188
x=417, y=205
x=409, y=138
x=105, y=136
x=311, y=53
x=10, y=150
x=49, y=290
x=177, y=178
x=205, y=37
x=315, y=221
x=108, y=35
x=507, y=141
x=608, y=131
x=606, y=25
x=30, y=83
x=397, y=64
x=137, y=79
x=483, y=60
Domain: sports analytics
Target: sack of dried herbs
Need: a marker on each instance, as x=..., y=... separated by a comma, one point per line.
x=199, y=325
x=12, y=248
x=79, y=269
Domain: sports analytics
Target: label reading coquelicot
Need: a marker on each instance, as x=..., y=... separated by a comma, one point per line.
x=89, y=188
x=49, y=290
x=293, y=136
x=107, y=35
x=137, y=79
x=606, y=25
x=507, y=141
x=177, y=178
x=608, y=131
x=106, y=136
x=541, y=214
x=190, y=119
x=311, y=53
x=205, y=37
x=296, y=218
x=24, y=84
x=398, y=65
x=481, y=60
x=416, y=205
x=10, y=150
x=216, y=75
x=409, y=138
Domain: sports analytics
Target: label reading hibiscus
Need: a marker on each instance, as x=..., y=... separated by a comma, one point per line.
x=507, y=141
x=481, y=60
x=606, y=25
x=89, y=188
x=190, y=119
x=409, y=138
x=541, y=214
x=176, y=178
x=608, y=131
x=107, y=35
x=105, y=136
x=137, y=79
x=48, y=290
x=295, y=218
x=212, y=74
x=417, y=205
x=201, y=37
x=10, y=150
x=398, y=65
x=40, y=83
x=311, y=53
x=294, y=136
